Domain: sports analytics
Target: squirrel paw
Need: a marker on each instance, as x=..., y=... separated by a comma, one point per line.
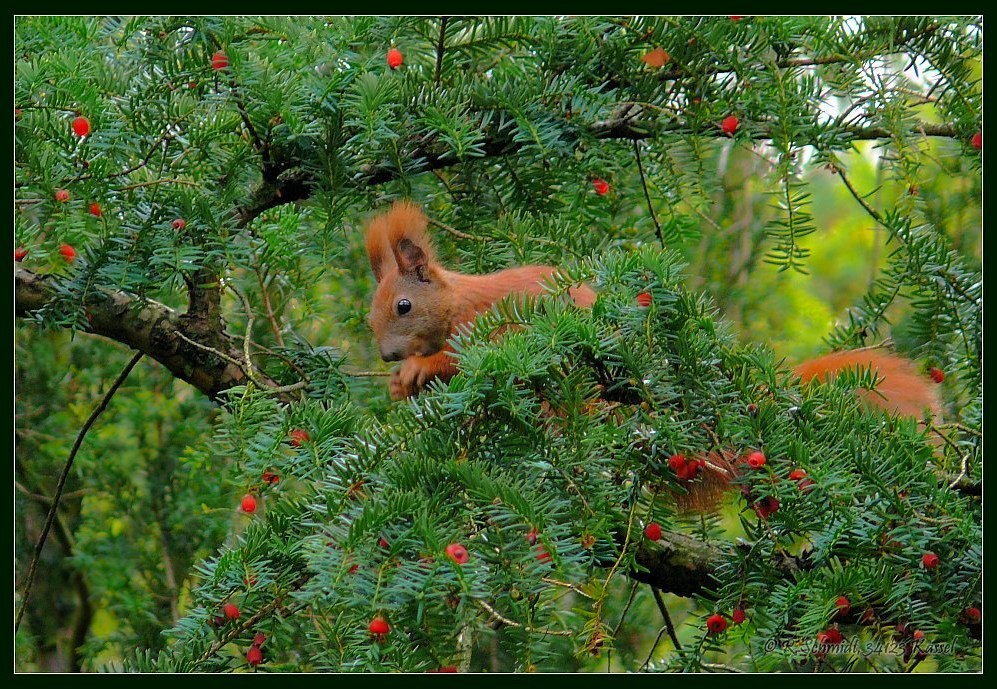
x=407, y=380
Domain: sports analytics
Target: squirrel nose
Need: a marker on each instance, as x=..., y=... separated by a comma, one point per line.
x=390, y=356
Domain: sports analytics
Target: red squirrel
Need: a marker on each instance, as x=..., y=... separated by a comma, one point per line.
x=419, y=304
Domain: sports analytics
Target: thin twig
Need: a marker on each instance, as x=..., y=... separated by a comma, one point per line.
x=452, y=230
x=267, y=306
x=157, y=181
x=510, y=623
x=439, y=49
x=668, y=618
x=647, y=194
x=54, y=509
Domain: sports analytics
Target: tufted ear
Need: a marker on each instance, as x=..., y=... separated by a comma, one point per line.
x=399, y=234
x=411, y=259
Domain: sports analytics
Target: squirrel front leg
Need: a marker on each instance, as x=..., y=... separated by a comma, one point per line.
x=415, y=373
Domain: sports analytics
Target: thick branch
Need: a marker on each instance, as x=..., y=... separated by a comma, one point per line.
x=152, y=328
x=297, y=187
x=684, y=566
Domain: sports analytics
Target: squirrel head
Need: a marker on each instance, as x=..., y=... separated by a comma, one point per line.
x=411, y=310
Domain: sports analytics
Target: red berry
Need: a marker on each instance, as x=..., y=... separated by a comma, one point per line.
x=807, y=485
x=735, y=18
x=394, y=58
x=972, y=615
x=531, y=536
x=444, y=668
x=716, y=623
x=270, y=477
x=937, y=375
x=918, y=635
x=676, y=462
x=68, y=252
x=542, y=554
x=756, y=460
x=61, y=195
x=383, y=542
x=379, y=626
x=797, y=474
x=977, y=140
x=259, y=639
x=690, y=470
x=299, y=436
x=19, y=253
x=248, y=504
x=601, y=186
x=219, y=60
x=231, y=611
x=179, y=224
x=730, y=125
x=81, y=126
x=653, y=531
x=829, y=637
x=644, y=299
x=254, y=656
x=843, y=605
x=353, y=569
x=929, y=560
x=95, y=209
x=458, y=553
x=738, y=616
x=766, y=507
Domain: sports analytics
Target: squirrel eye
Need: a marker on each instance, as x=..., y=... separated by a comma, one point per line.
x=404, y=306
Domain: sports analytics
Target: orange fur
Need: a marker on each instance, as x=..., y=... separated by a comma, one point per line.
x=405, y=266
x=404, y=263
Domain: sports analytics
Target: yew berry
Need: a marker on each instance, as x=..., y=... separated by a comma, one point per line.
x=248, y=504
x=231, y=611
x=254, y=656
x=601, y=186
x=68, y=252
x=797, y=474
x=657, y=57
x=730, y=125
x=19, y=253
x=653, y=531
x=531, y=536
x=95, y=209
x=179, y=224
x=735, y=18
x=829, y=637
x=445, y=668
x=716, y=623
x=690, y=470
x=644, y=299
x=81, y=126
x=972, y=615
x=917, y=635
x=383, y=542
x=395, y=58
x=61, y=195
x=379, y=626
x=756, y=460
x=542, y=554
x=977, y=141
x=270, y=477
x=937, y=375
x=766, y=507
x=457, y=553
x=676, y=462
x=259, y=639
x=299, y=436
x=843, y=605
x=929, y=560
x=738, y=616
x=219, y=60
x=353, y=569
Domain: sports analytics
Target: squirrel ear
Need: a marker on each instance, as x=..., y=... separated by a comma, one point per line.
x=410, y=258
